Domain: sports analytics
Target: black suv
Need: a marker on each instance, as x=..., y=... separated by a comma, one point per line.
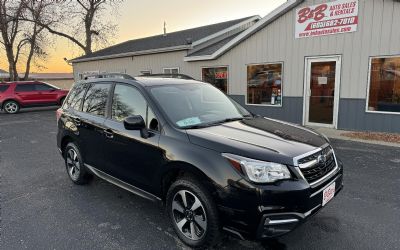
x=212, y=163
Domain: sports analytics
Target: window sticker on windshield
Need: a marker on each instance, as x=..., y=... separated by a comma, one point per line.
x=188, y=122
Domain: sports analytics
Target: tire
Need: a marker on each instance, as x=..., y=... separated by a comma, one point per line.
x=198, y=228
x=76, y=170
x=11, y=107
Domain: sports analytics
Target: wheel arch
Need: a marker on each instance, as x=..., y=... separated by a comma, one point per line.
x=10, y=99
x=176, y=170
x=64, y=142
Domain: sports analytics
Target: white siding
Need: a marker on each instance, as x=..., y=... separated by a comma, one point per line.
x=378, y=34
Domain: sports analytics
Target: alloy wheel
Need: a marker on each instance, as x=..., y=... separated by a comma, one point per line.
x=189, y=215
x=73, y=165
x=11, y=107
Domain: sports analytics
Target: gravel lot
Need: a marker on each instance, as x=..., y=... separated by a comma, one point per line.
x=42, y=209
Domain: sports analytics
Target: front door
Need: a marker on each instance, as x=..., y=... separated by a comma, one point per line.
x=321, y=92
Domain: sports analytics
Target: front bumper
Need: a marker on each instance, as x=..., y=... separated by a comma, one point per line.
x=277, y=224
x=258, y=212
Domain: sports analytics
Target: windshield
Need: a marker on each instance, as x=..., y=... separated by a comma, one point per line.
x=195, y=105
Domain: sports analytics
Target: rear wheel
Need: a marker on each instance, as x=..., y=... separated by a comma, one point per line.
x=193, y=213
x=11, y=107
x=76, y=170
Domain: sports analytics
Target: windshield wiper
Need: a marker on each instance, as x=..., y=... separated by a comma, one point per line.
x=209, y=124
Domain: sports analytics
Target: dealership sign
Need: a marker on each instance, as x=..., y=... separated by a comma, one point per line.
x=327, y=19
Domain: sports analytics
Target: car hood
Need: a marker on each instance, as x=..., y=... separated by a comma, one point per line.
x=259, y=138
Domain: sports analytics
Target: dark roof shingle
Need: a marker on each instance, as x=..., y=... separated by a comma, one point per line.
x=173, y=39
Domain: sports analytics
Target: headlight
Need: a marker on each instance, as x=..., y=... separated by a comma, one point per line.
x=259, y=171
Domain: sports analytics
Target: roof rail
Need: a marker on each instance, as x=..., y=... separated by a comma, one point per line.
x=110, y=75
x=178, y=76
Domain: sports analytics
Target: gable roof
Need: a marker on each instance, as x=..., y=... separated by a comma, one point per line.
x=170, y=42
x=278, y=12
x=3, y=71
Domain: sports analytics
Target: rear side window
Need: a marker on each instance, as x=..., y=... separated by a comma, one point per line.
x=43, y=87
x=25, y=88
x=3, y=88
x=95, y=101
x=75, y=97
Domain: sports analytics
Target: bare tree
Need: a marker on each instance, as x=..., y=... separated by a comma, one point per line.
x=10, y=13
x=35, y=36
x=23, y=41
x=83, y=22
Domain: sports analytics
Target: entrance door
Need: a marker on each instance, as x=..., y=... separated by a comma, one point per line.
x=321, y=91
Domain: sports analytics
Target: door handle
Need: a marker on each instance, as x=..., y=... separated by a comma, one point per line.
x=108, y=133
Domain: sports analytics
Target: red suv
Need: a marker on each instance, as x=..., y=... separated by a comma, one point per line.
x=15, y=95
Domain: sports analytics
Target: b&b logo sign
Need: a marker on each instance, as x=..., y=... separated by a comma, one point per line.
x=327, y=19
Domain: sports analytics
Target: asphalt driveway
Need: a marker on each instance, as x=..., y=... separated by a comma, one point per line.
x=42, y=209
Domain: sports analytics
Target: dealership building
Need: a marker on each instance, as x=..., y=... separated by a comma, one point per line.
x=317, y=63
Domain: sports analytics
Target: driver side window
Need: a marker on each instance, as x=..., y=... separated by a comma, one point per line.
x=128, y=101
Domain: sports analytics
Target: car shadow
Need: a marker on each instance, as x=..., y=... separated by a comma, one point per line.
x=32, y=110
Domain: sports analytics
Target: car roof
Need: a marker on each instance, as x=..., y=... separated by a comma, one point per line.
x=24, y=82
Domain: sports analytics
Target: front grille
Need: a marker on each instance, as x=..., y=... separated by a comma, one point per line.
x=317, y=169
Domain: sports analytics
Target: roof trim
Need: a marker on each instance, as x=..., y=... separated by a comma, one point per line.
x=281, y=10
x=134, y=53
x=219, y=33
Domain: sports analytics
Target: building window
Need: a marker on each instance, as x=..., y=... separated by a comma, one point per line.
x=384, y=85
x=217, y=76
x=264, y=84
x=171, y=71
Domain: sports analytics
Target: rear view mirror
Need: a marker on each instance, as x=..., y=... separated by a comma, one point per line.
x=135, y=122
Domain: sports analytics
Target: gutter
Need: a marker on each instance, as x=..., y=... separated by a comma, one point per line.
x=135, y=53
x=275, y=14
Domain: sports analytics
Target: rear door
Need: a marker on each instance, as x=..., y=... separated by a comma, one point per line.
x=129, y=156
x=46, y=94
x=91, y=123
x=26, y=94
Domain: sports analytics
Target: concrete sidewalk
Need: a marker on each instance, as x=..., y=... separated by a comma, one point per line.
x=337, y=134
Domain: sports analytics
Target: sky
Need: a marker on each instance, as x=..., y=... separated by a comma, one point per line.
x=137, y=19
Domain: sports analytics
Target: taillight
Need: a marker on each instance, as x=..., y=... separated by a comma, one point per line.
x=59, y=112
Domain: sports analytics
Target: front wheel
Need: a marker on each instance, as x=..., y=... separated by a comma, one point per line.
x=193, y=213
x=11, y=107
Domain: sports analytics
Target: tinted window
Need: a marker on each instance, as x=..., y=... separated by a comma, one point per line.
x=3, y=88
x=43, y=87
x=75, y=97
x=95, y=101
x=128, y=101
x=24, y=88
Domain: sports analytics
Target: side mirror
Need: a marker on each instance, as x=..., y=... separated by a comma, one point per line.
x=136, y=122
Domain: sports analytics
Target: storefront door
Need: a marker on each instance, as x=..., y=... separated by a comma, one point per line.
x=321, y=91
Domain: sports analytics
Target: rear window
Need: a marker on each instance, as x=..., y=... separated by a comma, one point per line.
x=75, y=97
x=24, y=88
x=3, y=88
x=95, y=101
